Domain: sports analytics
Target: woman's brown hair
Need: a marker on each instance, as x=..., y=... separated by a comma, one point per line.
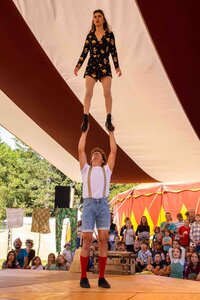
x=105, y=24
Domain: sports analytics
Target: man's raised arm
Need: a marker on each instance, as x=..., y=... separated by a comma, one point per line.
x=113, y=150
x=81, y=149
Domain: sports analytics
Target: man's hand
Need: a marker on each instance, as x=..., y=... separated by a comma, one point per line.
x=81, y=148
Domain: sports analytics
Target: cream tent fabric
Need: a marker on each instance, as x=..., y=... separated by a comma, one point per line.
x=152, y=128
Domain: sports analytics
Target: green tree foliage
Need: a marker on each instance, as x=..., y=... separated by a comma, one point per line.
x=27, y=180
x=119, y=188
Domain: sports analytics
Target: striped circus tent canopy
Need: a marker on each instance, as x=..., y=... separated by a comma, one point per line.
x=154, y=103
x=153, y=200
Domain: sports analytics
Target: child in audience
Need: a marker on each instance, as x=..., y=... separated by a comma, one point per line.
x=91, y=260
x=193, y=268
x=157, y=265
x=67, y=253
x=190, y=251
x=156, y=230
x=176, y=244
x=36, y=264
x=121, y=246
x=177, y=257
x=144, y=257
x=117, y=239
x=62, y=263
x=129, y=236
x=166, y=241
x=136, y=247
x=166, y=270
x=157, y=248
x=159, y=237
x=11, y=261
x=51, y=265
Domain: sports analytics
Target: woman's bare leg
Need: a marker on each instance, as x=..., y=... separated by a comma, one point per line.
x=89, y=85
x=106, y=83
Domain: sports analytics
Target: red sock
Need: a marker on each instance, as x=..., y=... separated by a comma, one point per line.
x=102, y=265
x=84, y=263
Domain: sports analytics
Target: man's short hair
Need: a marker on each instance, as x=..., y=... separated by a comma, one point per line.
x=121, y=243
x=177, y=241
x=97, y=149
x=95, y=242
x=179, y=215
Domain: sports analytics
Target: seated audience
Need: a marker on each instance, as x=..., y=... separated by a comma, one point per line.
x=21, y=254
x=37, y=264
x=157, y=266
x=191, y=249
x=193, y=268
x=177, y=257
x=113, y=232
x=95, y=245
x=79, y=234
x=91, y=260
x=51, y=264
x=67, y=252
x=136, y=247
x=117, y=239
x=157, y=249
x=144, y=257
x=176, y=244
x=61, y=263
x=29, y=250
x=121, y=246
x=11, y=261
x=165, y=271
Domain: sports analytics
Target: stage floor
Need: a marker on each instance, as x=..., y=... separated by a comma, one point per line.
x=47, y=285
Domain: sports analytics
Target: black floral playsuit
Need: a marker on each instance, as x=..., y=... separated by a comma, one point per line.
x=98, y=63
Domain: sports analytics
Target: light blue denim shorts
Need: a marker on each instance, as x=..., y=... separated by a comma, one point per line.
x=95, y=212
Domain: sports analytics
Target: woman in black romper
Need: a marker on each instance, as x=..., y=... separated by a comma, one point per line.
x=100, y=42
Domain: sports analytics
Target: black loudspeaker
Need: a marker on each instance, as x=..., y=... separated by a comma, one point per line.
x=62, y=196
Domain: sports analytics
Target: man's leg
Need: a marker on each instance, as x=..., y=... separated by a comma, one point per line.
x=84, y=258
x=103, y=248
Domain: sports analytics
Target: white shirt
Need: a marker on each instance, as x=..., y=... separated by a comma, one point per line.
x=68, y=255
x=96, y=181
x=129, y=236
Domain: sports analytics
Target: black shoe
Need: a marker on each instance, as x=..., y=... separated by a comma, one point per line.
x=84, y=125
x=84, y=283
x=103, y=283
x=109, y=124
